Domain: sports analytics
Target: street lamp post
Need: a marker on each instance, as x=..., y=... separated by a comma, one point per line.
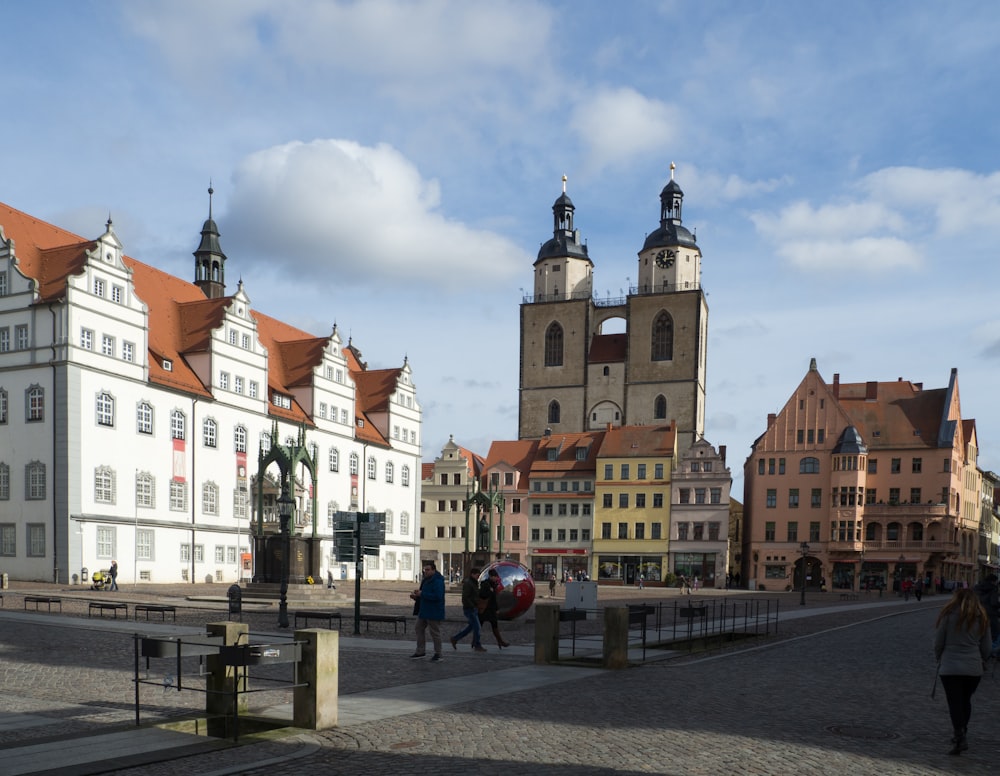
x=285, y=504
x=804, y=549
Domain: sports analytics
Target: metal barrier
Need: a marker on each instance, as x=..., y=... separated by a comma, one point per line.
x=687, y=622
x=239, y=657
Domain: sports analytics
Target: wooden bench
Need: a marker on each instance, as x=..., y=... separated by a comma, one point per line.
x=42, y=599
x=315, y=614
x=395, y=619
x=163, y=609
x=848, y=596
x=107, y=606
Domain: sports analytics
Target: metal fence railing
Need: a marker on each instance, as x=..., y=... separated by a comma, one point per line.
x=685, y=624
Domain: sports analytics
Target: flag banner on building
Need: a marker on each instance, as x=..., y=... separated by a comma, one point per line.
x=241, y=466
x=179, y=459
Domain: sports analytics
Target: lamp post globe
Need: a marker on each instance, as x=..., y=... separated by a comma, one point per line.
x=285, y=505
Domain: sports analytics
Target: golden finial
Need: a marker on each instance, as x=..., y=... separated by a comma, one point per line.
x=564, y=183
x=672, y=168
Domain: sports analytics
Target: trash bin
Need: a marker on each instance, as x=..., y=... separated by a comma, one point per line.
x=4, y=580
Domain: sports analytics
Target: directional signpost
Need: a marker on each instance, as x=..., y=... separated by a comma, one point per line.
x=357, y=534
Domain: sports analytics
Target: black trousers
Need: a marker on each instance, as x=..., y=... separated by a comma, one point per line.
x=958, y=690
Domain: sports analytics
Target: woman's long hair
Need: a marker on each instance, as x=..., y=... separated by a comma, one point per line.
x=971, y=613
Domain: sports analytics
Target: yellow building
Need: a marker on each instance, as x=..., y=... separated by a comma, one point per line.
x=632, y=504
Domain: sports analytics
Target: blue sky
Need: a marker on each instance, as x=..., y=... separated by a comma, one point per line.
x=391, y=166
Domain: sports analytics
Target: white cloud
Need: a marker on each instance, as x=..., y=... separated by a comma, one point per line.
x=443, y=46
x=954, y=200
x=337, y=210
x=618, y=125
x=870, y=255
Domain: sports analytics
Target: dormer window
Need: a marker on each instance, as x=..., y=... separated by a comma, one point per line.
x=361, y=423
x=168, y=365
x=280, y=400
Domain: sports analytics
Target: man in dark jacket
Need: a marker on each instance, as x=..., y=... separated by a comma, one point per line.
x=470, y=609
x=429, y=608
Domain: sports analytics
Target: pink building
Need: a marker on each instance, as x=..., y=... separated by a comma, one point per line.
x=856, y=484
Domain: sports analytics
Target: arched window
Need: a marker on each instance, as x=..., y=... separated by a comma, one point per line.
x=660, y=408
x=809, y=466
x=554, y=412
x=354, y=463
x=334, y=459
x=240, y=439
x=554, y=345
x=663, y=338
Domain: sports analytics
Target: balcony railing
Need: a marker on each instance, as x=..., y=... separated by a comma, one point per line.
x=901, y=511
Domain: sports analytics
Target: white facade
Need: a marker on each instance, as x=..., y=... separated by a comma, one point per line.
x=104, y=455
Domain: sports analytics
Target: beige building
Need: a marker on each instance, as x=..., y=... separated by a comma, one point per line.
x=576, y=374
x=699, y=515
x=863, y=483
x=445, y=487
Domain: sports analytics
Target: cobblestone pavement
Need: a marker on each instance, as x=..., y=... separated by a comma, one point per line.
x=837, y=692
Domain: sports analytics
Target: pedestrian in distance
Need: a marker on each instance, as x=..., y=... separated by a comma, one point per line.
x=428, y=606
x=113, y=573
x=552, y=585
x=470, y=610
x=488, y=605
x=961, y=646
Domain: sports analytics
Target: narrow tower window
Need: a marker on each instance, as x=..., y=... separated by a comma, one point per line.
x=663, y=338
x=660, y=408
x=554, y=345
x=553, y=412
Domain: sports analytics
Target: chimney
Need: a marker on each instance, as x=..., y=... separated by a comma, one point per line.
x=836, y=385
x=770, y=419
x=722, y=454
x=871, y=390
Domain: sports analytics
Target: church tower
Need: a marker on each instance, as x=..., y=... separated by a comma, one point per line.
x=574, y=377
x=209, y=260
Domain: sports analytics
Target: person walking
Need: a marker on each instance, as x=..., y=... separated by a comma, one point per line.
x=488, y=590
x=470, y=594
x=961, y=646
x=428, y=605
x=113, y=573
x=552, y=585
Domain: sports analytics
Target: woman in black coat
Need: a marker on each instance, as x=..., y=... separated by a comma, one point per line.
x=488, y=589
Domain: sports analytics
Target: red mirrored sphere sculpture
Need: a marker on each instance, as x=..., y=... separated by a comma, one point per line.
x=517, y=593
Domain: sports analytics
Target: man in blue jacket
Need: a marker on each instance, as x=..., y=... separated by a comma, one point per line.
x=429, y=608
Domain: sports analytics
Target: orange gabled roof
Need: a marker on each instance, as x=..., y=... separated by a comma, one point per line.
x=566, y=446
x=374, y=388
x=515, y=454
x=639, y=441
x=426, y=471
x=473, y=461
x=196, y=322
x=902, y=414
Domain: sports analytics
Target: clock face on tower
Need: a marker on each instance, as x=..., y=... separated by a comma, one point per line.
x=665, y=258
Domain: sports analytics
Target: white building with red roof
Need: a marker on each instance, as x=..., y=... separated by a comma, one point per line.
x=134, y=405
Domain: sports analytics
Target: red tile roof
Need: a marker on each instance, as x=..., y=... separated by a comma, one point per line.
x=639, y=442
x=608, y=348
